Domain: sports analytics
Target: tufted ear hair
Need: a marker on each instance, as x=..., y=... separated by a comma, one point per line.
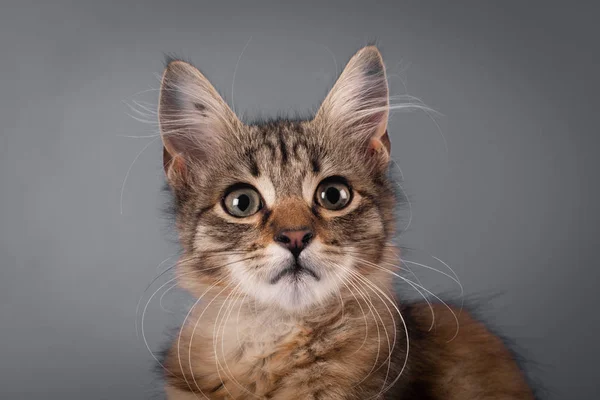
x=194, y=120
x=357, y=107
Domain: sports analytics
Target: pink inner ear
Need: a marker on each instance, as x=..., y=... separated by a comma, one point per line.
x=385, y=140
x=174, y=165
x=381, y=143
x=166, y=159
x=375, y=146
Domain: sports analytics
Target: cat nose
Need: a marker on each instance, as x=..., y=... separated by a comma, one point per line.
x=295, y=240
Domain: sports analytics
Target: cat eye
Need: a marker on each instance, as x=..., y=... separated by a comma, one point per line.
x=333, y=194
x=242, y=202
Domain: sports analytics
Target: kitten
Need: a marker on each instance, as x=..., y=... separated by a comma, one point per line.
x=286, y=229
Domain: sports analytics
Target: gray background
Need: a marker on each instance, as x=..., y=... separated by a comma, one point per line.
x=512, y=204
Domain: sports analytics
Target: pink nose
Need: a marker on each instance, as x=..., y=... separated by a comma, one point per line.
x=295, y=240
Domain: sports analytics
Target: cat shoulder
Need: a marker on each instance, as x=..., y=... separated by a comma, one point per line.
x=465, y=353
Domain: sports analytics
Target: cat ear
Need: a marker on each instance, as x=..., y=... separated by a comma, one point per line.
x=357, y=107
x=194, y=119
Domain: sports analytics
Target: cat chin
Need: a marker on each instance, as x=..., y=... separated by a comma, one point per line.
x=298, y=294
x=293, y=292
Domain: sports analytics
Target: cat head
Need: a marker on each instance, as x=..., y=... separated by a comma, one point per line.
x=286, y=212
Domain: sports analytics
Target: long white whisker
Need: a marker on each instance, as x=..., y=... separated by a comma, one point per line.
x=186, y=318
x=139, y=303
x=410, y=210
x=462, y=297
x=228, y=373
x=423, y=288
x=393, y=344
x=393, y=303
x=424, y=295
x=192, y=339
x=403, y=260
x=148, y=303
x=344, y=282
x=333, y=57
x=373, y=311
x=369, y=284
x=215, y=329
x=144, y=314
x=160, y=300
x=235, y=72
x=441, y=301
x=129, y=171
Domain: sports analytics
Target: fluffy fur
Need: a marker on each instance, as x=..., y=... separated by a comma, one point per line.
x=337, y=332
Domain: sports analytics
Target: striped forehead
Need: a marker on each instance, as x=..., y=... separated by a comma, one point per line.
x=281, y=159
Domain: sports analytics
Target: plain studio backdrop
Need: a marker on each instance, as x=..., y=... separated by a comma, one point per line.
x=503, y=181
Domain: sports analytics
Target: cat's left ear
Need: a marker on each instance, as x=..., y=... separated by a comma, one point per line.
x=195, y=122
x=357, y=107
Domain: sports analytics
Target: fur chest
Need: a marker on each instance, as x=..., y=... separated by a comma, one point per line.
x=279, y=360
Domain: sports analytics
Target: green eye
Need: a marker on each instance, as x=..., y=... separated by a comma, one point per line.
x=242, y=202
x=333, y=194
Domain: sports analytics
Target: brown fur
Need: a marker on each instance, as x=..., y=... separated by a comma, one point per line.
x=323, y=355
x=473, y=364
x=340, y=333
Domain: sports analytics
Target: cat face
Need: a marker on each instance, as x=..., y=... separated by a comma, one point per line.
x=287, y=212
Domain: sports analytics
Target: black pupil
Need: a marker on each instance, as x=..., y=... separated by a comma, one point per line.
x=243, y=202
x=332, y=195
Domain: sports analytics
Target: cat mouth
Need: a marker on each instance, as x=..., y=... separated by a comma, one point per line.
x=295, y=271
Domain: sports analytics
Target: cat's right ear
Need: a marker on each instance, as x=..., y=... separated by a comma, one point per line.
x=194, y=120
x=357, y=107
